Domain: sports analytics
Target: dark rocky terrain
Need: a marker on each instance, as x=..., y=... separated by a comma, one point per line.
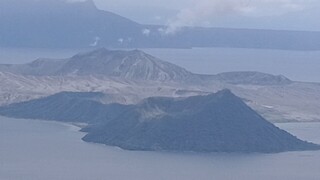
x=219, y=122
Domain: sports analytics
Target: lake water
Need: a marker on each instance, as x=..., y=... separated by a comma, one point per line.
x=297, y=65
x=40, y=150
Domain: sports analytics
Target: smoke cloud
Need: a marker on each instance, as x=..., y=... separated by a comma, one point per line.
x=203, y=11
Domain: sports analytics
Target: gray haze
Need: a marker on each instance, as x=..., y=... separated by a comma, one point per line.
x=269, y=14
x=262, y=14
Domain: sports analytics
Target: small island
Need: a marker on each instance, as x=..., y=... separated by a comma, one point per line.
x=218, y=122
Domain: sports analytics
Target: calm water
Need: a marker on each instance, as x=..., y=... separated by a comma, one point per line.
x=38, y=150
x=297, y=65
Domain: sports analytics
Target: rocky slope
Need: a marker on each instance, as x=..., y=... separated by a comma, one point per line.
x=133, y=65
x=127, y=77
x=218, y=122
x=252, y=78
x=85, y=107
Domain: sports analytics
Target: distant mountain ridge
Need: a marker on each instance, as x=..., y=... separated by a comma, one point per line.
x=134, y=65
x=127, y=77
x=67, y=107
x=125, y=64
x=251, y=77
x=219, y=122
x=59, y=24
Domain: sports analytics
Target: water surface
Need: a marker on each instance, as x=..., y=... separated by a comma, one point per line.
x=38, y=150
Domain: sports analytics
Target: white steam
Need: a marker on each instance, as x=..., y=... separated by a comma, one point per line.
x=95, y=42
x=146, y=32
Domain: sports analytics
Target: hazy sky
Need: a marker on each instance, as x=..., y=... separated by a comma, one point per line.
x=263, y=14
x=272, y=14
